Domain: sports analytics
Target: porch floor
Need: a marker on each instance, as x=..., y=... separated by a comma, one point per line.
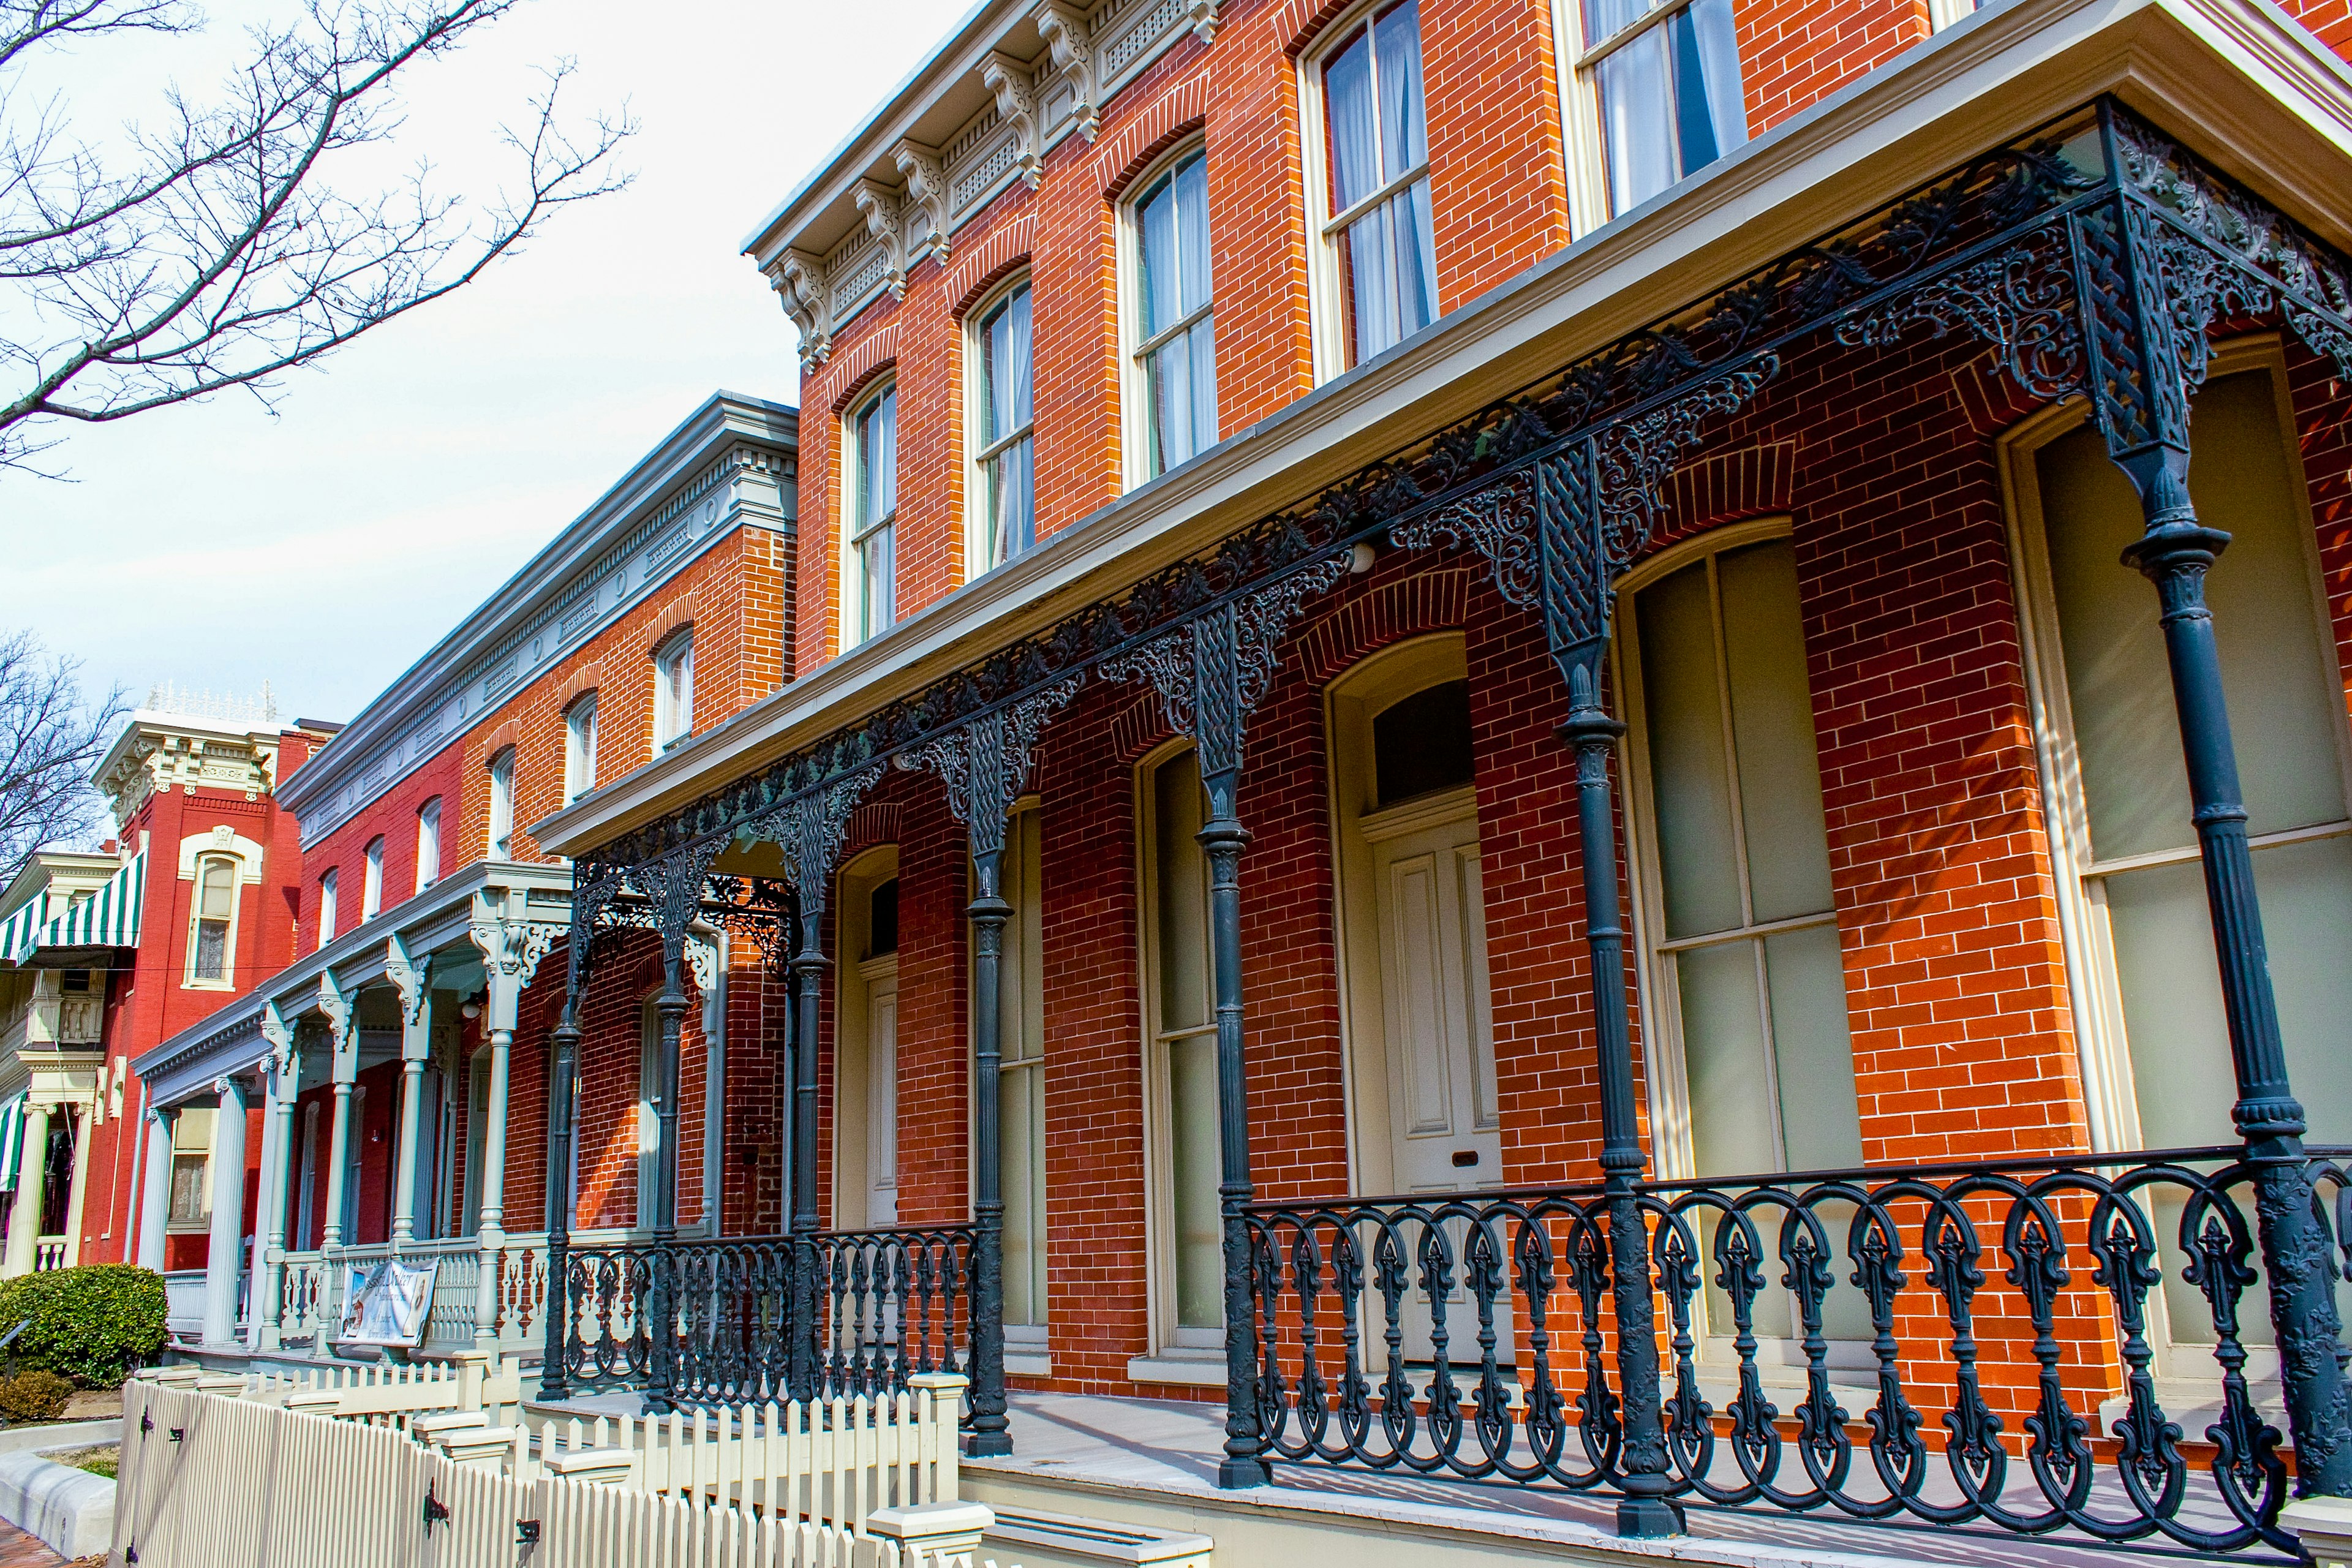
x=1166, y=1451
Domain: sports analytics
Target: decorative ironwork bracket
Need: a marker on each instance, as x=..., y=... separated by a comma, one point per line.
x=984, y=764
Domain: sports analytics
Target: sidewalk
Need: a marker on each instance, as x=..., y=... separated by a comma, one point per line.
x=19, y=1550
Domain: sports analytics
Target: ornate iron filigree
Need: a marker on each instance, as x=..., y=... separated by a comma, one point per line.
x=985, y=763
x=2018, y=302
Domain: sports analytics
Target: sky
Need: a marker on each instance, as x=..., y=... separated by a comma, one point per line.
x=324, y=548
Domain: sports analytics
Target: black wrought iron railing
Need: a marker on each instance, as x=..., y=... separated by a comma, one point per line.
x=2034, y=1347
x=881, y=1306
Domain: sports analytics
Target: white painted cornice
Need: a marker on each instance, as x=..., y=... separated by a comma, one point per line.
x=2237, y=81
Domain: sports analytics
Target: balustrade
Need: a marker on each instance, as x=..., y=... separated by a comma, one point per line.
x=1991, y=1346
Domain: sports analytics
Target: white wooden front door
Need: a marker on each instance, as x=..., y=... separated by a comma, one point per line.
x=881, y=976
x=1445, y=1131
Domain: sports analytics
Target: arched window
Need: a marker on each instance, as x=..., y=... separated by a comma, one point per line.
x=212, y=936
x=428, y=843
x=1172, y=322
x=327, y=880
x=502, y=784
x=1377, y=261
x=580, y=748
x=869, y=572
x=1180, y=1060
x=1003, y=415
x=674, y=690
x=371, y=883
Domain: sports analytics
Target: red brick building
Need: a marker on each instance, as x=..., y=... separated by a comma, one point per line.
x=1443, y=599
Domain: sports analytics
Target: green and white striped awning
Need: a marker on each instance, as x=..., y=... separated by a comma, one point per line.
x=12, y=1139
x=109, y=917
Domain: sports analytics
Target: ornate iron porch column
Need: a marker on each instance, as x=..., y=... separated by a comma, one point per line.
x=807, y=832
x=1210, y=674
x=983, y=765
x=675, y=883
x=2144, y=289
x=563, y=1070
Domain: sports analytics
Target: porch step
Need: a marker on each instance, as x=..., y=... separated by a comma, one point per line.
x=1038, y=1540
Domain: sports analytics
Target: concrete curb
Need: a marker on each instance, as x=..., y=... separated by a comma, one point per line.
x=70, y=1512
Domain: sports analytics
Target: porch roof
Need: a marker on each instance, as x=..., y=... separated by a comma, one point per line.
x=2237, y=81
x=441, y=917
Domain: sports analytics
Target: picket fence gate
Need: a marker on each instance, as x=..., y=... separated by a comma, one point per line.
x=207, y=1481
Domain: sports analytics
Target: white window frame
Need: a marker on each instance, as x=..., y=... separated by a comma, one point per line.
x=1327, y=323
x=328, y=912
x=674, y=690
x=1580, y=102
x=580, y=746
x=226, y=979
x=428, y=843
x=498, y=843
x=371, y=880
x=1134, y=347
x=976, y=482
x=850, y=562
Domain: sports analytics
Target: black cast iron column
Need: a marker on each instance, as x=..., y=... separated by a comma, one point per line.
x=1644, y=1509
x=809, y=965
x=1223, y=838
x=563, y=1053
x=662, y=1320
x=987, y=1435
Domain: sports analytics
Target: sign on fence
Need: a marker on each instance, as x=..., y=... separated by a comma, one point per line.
x=388, y=1304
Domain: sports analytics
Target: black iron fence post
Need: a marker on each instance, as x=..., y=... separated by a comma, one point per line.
x=989, y=1434
x=564, y=1056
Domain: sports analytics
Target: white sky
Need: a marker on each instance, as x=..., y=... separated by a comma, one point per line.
x=324, y=549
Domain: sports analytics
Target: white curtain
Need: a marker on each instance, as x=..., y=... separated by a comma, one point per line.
x=1355, y=132
x=1717, y=42
x=1012, y=383
x=1396, y=40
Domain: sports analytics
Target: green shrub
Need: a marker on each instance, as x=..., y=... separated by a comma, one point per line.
x=33, y=1395
x=92, y=1324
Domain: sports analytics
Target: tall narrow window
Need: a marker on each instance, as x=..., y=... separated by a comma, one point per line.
x=371, y=880
x=502, y=778
x=674, y=690
x=648, y=1110
x=428, y=843
x=1182, y=1059
x=1378, y=151
x=869, y=578
x=327, y=880
x=1666, y=74
x=1006, y=446
x=211, y=940
x=1744, y=946
x=580, y=748
x=1175, y=328
x=1021, y=1077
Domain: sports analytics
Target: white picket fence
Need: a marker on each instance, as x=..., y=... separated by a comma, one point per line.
x=210, y=1480
x=389, y=1393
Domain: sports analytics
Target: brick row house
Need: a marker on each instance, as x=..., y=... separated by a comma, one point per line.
x=351, y=1091
x=1433, y=641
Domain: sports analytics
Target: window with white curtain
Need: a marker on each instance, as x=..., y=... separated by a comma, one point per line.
x=674, y=690
x=213, y=937
x=1020, y=1078
x=502, y=771
x=580, y=748
x=1664, y=80
x=371, y=880
x=1180, y=1056
x=1376, y=153
x=428, y=843
x=327, y=906
x=1175, y=326
x=1005, y=446
x=869, y=578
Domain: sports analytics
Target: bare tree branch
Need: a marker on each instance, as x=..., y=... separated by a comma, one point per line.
x=49, y=741
x=225, y=255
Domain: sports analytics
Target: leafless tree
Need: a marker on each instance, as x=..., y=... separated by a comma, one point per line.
x=50, y=739
x=215, y=250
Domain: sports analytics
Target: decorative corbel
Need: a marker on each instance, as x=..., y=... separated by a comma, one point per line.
x=1008, y=79
x=927, y=193
x=881, y=206
x=1200, y=16
x=799, y=279
x=511, y=951
x=1064, y=25
x=410, y=977
x=280, y=1036
x=338, y=1005
x=702, y=956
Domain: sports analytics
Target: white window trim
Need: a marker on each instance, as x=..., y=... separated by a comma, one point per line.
x=1580, y=96
x=1327, y=323
x=502, y=792
x=580, y=747
x=371, y=880
x=330, y=911
x=237, y=879
x=2110, y=1095
x=673, y=666
x=1135, y=382
x=1160, y=1236
x=849, y=568
x=975, y=391
x=1668, y=1084
x=428, y=843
